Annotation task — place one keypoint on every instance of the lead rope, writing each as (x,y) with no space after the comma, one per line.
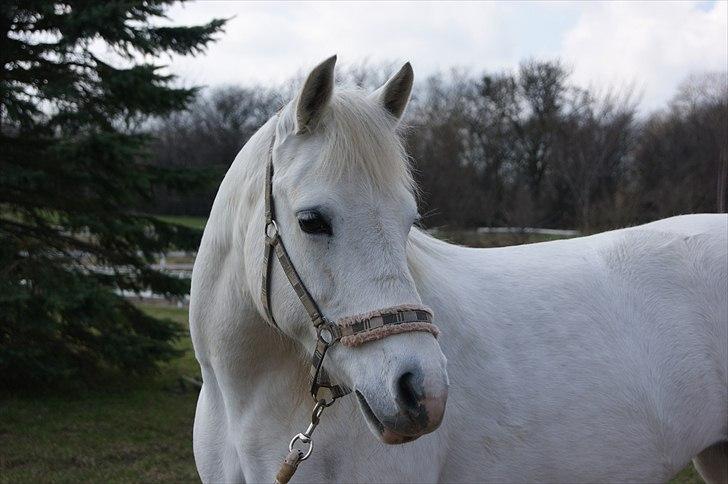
(350,331)
(296,456)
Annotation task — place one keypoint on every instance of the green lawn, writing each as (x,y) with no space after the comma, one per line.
(137,430)
(687,476)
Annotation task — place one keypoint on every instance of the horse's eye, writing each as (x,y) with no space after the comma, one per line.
(313,222)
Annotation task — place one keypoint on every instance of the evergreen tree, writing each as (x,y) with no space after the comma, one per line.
(78,81)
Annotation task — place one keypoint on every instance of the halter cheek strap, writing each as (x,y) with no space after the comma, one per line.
(274,244)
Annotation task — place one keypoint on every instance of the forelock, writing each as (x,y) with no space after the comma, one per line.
(360,139)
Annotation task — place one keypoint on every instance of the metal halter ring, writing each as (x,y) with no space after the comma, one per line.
(326,335)
(305,437)
(305,440)
(325,396)
(272,224)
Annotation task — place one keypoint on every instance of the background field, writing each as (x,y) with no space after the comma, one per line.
(136,429)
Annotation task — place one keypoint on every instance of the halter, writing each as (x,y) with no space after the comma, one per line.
(350,331)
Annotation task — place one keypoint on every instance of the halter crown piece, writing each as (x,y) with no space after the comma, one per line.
(351,331)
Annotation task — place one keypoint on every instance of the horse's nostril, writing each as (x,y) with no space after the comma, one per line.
(409,391)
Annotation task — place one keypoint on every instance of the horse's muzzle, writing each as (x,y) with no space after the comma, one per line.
(419,406)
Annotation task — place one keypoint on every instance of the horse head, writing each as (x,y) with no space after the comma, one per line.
(344,207)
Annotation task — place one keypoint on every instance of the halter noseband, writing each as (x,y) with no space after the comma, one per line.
(351,331)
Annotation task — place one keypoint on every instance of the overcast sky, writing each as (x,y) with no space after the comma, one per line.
(651,45)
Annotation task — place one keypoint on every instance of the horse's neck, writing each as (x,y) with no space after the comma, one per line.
(456,282)
(240,192)
(440,272)
(224,318)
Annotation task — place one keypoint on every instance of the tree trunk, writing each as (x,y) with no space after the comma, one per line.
(722,181)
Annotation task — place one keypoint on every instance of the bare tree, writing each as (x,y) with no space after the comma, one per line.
(207,136)
(682,154)
(709,93)
(449,189)
(593,140)
(519,148)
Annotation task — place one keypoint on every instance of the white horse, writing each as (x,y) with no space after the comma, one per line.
(602,358)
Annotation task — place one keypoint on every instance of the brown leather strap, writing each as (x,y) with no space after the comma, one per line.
(274,245)
(321,386)
(269,222)
(290,271)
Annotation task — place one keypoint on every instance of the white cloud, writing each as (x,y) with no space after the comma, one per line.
(271,42)
(648,44)
(651,43)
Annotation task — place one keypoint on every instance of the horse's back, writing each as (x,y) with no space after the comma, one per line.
(682,262)
(714,224)
(679,257)
(687,250)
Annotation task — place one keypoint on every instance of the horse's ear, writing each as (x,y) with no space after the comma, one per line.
(395,93)
(315,95)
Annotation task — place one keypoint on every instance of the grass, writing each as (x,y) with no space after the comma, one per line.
(136,430)
(687,476)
